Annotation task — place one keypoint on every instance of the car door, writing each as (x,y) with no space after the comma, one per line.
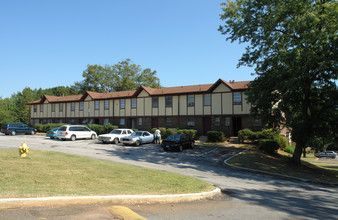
(25,128)
(19,128)
(86,132)
(146,137)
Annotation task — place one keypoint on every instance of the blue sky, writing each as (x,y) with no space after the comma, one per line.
(44,44)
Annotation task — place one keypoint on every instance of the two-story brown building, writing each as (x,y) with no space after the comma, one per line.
(219,106)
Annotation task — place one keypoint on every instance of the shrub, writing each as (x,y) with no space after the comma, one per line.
(102,129)
(188,132)
(289,149)
(268,146)
(216,136)
(46,127)
(268,134)
(246,134)
(282,142)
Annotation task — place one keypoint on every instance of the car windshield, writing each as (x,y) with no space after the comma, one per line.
(55,129)
(116,132)
(137,133)
(173,137)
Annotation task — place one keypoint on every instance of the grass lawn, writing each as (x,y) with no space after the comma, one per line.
(279,164)
(45,173)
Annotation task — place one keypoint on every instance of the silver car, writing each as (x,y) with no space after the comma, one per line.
(330,154)
(137,138)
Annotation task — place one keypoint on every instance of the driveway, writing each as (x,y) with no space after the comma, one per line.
(246,195)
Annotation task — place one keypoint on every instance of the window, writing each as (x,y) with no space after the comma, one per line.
(140,121)
(53,107)
(35,109)
(155,102)
(256,122)
(237,98)
(133,103)
(206,99)
(106,104)
(191,100)
(217,121)
(41,108)
(168,121)
(122,103)
(81,106)
(60,107)
(97,105)
(227,121)
(72,106)
(168,101)
(106,121)
(122,121)
(191,122)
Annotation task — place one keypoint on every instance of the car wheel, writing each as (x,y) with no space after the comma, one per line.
(137,143)
(180,148)
(13,133)
(73,138)
(51,137)
(116,141)
(93,136)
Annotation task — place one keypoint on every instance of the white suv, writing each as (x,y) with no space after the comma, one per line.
(115,135)
(74,132)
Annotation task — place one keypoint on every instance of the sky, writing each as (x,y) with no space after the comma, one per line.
(49,43)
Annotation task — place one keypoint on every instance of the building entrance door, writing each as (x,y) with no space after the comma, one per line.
(236,126)
(206,125)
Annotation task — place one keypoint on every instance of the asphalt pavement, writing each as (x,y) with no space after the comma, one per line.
(245,195)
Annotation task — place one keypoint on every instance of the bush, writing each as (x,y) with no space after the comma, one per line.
(246,134)
(289,149)
(188,132)
(102,129)
(268,134)
(282,142)
(216,136)
(46,127)
(268,146)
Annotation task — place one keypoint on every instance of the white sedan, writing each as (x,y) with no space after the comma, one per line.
(115,135)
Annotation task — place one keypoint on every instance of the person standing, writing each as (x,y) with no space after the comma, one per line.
(157,136)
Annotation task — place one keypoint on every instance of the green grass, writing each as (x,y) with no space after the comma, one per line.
(280,164)
(44,173)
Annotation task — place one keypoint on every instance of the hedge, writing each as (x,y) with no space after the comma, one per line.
(99,129)
(165,132)
(268,146)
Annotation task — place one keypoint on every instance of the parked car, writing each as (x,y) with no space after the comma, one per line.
(52,133)
(330,154)
(115,135)
(137,138)
(73,132)
(177,142)
(17,128)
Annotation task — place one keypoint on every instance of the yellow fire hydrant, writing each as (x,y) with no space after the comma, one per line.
(23,150)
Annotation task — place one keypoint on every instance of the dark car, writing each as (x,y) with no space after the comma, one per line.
(17,128)
(177,142)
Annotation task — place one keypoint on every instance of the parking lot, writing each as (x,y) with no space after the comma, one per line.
(151,153)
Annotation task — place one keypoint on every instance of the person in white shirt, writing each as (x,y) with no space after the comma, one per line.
(157,135)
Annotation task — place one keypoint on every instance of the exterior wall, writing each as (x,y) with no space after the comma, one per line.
(222,112)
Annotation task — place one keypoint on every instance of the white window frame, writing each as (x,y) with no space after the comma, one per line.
(207,99)
(133,103)
(191,100)
(97,105)
(106,104)
(237,98)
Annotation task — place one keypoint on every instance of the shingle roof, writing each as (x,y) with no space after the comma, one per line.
(241,85)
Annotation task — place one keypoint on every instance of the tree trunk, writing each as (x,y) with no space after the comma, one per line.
(297,154)
(304,152)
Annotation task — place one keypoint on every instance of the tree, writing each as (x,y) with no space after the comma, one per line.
(292,45)
(119,77)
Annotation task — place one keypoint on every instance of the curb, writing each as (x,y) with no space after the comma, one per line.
(121,199)
(225,162)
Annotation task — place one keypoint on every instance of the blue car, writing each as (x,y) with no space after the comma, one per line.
(52,133)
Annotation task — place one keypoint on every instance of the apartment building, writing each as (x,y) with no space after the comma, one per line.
(219,106)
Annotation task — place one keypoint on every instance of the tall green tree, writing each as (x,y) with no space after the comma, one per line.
(124,75)
(293,46)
